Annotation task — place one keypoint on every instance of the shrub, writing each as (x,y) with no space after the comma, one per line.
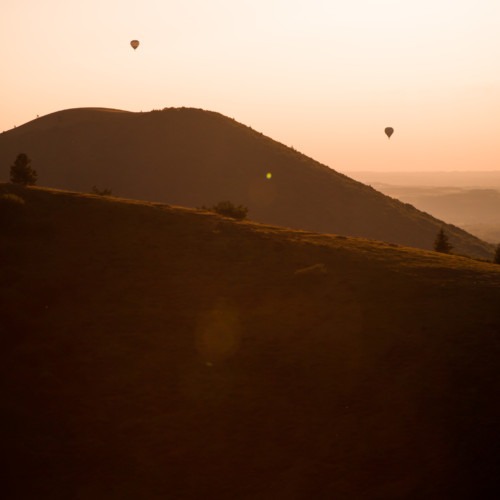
(101,192)
(21,172)
(228,209)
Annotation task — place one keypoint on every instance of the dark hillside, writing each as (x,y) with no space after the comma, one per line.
(192,157)
(152,351)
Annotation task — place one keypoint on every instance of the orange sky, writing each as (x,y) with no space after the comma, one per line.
(323,76)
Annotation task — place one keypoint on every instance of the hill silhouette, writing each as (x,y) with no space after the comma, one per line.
(194,158)
(152,351)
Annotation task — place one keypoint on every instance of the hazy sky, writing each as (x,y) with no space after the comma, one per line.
(323,76)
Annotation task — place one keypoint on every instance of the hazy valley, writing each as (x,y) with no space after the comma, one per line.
(470,200)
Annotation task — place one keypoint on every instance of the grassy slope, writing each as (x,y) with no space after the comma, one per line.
(192,157)
(160,352)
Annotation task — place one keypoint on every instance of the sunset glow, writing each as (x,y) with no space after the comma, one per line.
(324,76)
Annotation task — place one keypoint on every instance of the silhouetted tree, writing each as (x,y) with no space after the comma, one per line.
(496,257)
(442,243)
(21,172)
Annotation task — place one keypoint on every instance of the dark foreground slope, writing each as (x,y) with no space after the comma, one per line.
(156,352)
(192,157)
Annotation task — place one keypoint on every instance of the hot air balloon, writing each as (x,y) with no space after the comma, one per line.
(134,44)
(389,131)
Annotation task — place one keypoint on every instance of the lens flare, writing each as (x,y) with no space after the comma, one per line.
(218,333)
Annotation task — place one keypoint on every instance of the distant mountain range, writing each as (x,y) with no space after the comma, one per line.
(192,157)
(480,179)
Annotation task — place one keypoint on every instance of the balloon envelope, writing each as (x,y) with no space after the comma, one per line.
(389,131)
(134,44)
